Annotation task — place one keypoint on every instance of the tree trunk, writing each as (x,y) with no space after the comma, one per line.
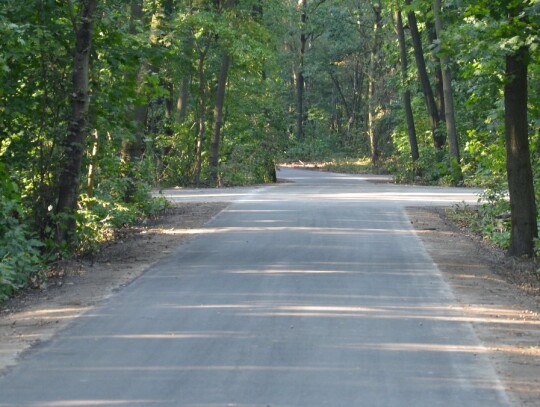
(74,143)
(433,36)
(202,115)
(300,82)
(438,139)
(91,178)
(372,105)
(411,129)
(133,148)
(218,118)
(182,101)
(218,111)
(183,94)
(451,130)
(518,160)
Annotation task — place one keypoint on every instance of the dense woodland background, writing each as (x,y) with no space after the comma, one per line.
(103,100)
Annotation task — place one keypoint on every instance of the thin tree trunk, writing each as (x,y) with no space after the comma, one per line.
(182,101)
(218,111)
(411,129)
(518,159)
(373,138)
(433,36)
(438,139)
(133,148)
(202,115)
(300,82)
(183,94)
(451,130)
(218,118)
(73,146)
(91,167)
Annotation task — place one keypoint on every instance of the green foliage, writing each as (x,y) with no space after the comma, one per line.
(247,165)
(100,217)
(20,257)
(490,220)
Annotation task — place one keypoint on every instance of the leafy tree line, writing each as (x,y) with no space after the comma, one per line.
(436,91)
(101,100)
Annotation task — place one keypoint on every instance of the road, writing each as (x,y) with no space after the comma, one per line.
(304,294)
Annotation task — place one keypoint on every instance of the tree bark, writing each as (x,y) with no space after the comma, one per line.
(218,111)
(74,143)
(518,159)
(182,101)
(411,129)
(218,118)
(438,139)
(449,113)
(202,114)
(300,81)
(133,147)
(372,105)
(91,178)
(433,37)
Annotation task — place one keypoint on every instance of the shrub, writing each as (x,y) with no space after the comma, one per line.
(20,257)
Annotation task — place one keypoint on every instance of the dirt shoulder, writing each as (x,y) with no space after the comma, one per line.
(75,286)
(500,297)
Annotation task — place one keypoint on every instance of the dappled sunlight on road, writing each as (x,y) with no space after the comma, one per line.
(97,402)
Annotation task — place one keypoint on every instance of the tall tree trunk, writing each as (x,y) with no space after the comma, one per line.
(74,143)
(218,118)
(218,111)
(91,178)
(299,79)
(183,94)
(182,101)
(202,114)
(372,102)
(433,37)
(133,148)
(438,139)
(449,113)
(411,129)
(518,159)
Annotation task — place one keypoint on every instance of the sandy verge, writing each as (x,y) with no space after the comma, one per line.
(75,286)
(499,297)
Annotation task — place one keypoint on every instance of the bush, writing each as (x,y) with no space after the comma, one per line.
(247,165)
(20,257)
(99,217)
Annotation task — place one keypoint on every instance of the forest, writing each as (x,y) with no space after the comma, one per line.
(103,101)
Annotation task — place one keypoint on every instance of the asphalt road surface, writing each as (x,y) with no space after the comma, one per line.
(305,294)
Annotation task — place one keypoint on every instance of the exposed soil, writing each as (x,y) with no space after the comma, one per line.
(500,297)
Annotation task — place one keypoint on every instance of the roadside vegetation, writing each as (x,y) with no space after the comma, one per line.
(102,101)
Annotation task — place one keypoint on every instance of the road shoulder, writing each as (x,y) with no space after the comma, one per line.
(503,306)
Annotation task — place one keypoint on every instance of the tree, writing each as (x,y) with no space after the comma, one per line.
(299,72)
(68,190)
(449,112)
(409,117)
(218,111)
(438,139)
(372,83)
(518,161)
